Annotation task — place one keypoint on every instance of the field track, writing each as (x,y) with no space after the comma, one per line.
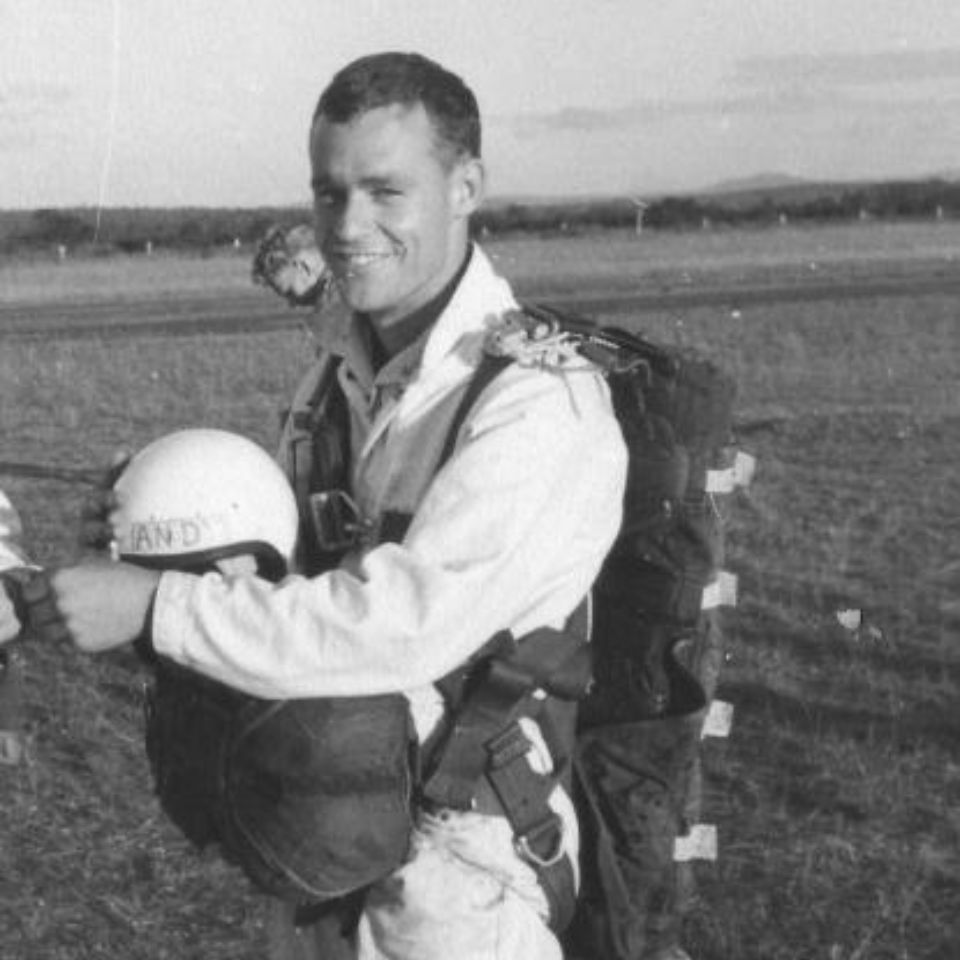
(255,312)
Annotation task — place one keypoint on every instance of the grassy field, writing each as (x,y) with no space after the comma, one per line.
(837,796)
(614,259)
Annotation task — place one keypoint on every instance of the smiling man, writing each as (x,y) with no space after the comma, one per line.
(392,198)
(457,530)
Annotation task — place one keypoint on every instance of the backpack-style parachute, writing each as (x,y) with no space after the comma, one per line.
(656,643)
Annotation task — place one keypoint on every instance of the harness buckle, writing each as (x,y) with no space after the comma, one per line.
(525,843)
(337,521)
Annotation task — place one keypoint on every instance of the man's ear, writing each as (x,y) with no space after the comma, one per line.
(468,186)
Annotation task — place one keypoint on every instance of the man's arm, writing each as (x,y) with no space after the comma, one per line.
(509,535)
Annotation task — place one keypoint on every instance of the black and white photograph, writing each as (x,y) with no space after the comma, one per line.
(480,480)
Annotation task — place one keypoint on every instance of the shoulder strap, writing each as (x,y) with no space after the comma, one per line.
(302,424)
(393,523)
(487,371)
(317,440)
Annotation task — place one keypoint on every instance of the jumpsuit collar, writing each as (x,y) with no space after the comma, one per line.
(453,327)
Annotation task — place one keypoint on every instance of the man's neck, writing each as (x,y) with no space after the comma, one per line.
(389,341)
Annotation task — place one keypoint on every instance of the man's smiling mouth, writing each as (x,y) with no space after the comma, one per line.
(347,260)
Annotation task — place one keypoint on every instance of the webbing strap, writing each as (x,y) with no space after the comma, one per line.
(486,739)
(486,372)
(499,696)
(317,436)
(302,426)
(537,829)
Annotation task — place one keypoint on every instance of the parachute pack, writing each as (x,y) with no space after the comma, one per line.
(656,639)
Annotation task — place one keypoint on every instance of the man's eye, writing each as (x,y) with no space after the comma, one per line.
(386,193)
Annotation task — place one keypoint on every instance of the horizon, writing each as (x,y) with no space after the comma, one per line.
(758,183)
(108,106)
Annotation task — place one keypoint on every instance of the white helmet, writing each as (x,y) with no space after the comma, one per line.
(197,496)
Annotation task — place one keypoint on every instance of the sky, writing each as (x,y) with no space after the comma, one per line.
(207,102)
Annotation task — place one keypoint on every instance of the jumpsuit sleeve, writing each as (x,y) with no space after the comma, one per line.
(11,551)
(509,534)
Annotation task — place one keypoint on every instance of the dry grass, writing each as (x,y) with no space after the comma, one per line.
(837,794)
(45,279)
(607,259)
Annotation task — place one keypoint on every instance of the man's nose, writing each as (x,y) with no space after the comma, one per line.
(355,216)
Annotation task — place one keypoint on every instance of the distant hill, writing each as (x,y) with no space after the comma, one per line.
(760,181)
(785,193)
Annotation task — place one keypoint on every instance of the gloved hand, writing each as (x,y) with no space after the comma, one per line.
(11,707)
(287,260)
(27,606)
(26,609)
(96,532)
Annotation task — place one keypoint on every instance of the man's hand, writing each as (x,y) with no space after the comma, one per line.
(33,611)
(102,604)
(96,533)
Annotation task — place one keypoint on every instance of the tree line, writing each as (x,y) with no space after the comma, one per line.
(135,230)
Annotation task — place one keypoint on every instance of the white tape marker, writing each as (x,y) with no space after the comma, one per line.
(738,474)
(699,844)
(719,719)
(722,592)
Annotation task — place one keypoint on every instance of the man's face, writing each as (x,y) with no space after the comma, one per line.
(390,214)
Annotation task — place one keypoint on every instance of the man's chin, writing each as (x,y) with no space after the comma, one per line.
(360,301)
(362,295)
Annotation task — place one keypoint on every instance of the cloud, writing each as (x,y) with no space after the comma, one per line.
(647,113)
(778,86)
(25,101)
(850,69)
(585,119)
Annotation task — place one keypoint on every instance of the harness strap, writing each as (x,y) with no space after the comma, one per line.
(302,426)
(498,691)
(487,370)
(318,431)
(487,740)
(537,829)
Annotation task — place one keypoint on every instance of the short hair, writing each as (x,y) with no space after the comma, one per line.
(386,79)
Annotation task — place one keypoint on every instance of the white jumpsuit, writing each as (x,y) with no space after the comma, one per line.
(11,554)
(509,534)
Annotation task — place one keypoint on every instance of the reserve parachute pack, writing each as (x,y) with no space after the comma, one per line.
(656,638)
(310,797)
